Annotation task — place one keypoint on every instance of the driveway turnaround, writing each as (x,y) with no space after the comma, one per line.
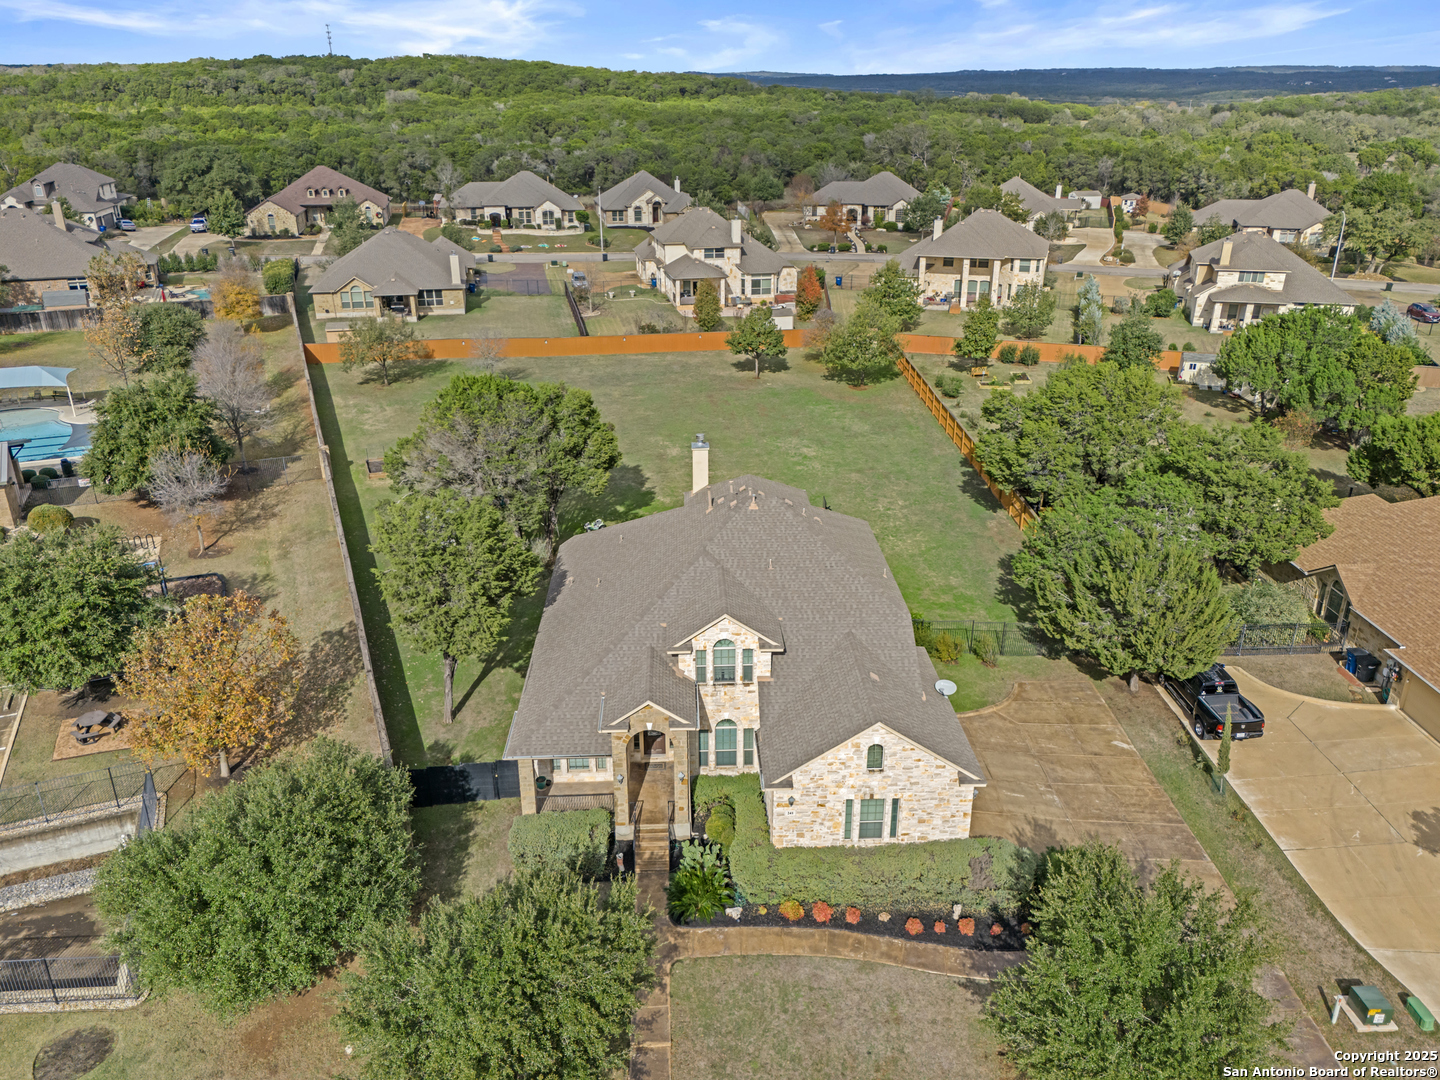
(1351,793)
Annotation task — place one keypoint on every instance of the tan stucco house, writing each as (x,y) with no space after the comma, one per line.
(297,206)
(700,245)
(1238,280)
(47,258)
(883,197)
(1288,216)
(395,273)
(987,254)
(1377,577)
(92,195)
(641,200)
(524,201)
(745,632)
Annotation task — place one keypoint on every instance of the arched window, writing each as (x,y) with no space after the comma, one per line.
(725,742)
(724,660)
(875,757)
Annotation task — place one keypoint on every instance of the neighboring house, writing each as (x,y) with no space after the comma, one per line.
(1129,201)
(525,201)
(745,632)
(92,195)
(1037,204)
(1377,576)
(1288,216)
(883,197)
(987,254)
(48,257)
(398,273)
(700,245)
(1198,369)
(297,206)
(642,200)
(1235,281)
(1090,197)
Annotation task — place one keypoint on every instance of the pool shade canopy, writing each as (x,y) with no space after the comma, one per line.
(15,378)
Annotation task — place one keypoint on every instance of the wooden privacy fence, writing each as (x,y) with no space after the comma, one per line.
(1014,504)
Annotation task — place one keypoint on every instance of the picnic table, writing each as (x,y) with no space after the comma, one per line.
(93,724)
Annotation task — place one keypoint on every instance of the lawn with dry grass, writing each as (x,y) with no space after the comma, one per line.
(821,1019)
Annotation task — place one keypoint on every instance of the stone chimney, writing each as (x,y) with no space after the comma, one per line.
(735,230)
(676,185)
(699,463)
(1310,191)
(937,228)
(58,214)
(1059,191)
(1225,249)
(455,276)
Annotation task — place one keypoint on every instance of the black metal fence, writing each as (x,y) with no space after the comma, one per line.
(574,802)
(1284,639)
(575,311)
(479,781)
(941,637)
(518,284)
(59,980)
(242,476)
(66,796)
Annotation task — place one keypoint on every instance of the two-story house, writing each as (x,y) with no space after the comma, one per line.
(987,254)
(1288,216)
(92,195)
(524,201)
(47,258)
(396,273)
(642,200)
(745,632)
(297,206)
(700,245)
(1242,278)
(1037,204)
(883,197)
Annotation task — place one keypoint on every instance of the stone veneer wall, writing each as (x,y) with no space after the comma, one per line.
(736,701)
(934,804)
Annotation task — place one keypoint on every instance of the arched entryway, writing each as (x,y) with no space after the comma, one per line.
(495,221)
(650,786)
(657,212)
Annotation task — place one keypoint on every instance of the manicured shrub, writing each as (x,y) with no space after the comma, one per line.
(913,926)
(49,472)
(39,483)
(278,276)
(1007,353)
(939,926)
(996,929)
(721,827)
(985,648)
(1127,257)
(1173,347)
(1154,226)
(1029,356)
(980,872)
(27,475)
(966,927)
(577,840)
(852,915)
(1187,347)
(821,911)
(1160,303)
(792,910)
(948,648)
(45,518)
(697,892)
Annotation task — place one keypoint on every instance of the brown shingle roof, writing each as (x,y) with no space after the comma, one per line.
(882,189)
(1286,210)
(1387,556)
(985,234)
(34,249)
(293,197)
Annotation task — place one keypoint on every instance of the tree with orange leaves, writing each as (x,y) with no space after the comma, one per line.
(220,674)
(809,293)
(834,220)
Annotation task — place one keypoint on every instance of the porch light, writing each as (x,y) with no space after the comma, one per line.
(619,779)
(792,800)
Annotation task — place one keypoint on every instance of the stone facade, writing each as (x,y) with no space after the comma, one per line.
(935,800)
(969,278)
(271,219)
(738,701)
(332,305)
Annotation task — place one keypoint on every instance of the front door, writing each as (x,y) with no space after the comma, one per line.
(652,743)
(655,213)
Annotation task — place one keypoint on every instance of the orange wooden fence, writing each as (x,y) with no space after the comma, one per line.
(1014,504)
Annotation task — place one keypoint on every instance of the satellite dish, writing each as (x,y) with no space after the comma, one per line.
(946,687)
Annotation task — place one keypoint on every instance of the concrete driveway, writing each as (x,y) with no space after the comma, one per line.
(1351,793)
(1098,241)
(148,237)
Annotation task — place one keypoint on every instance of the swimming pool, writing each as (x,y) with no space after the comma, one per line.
(48,435)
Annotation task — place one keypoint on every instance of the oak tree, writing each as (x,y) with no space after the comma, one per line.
(133,423)
(758,337)
(385,344)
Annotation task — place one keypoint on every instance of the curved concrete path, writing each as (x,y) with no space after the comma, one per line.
(1351,793)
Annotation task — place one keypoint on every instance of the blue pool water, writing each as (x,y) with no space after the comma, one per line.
(50,437)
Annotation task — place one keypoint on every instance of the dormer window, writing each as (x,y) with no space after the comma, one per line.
(310,192)
(724,661)
(1256,276)
(39,191)
(875,757)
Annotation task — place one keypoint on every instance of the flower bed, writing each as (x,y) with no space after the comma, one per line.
(981,935)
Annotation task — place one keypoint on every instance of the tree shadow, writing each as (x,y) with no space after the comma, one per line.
(627,495)
(414,371)
(331,664)
(1011,593)
(444,838)
(768,364)
(1427,830)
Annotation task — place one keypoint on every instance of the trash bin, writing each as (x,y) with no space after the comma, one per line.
(839,281)
(604,256)
(1366,666)
(470,286)
(490,257)
(1350,655)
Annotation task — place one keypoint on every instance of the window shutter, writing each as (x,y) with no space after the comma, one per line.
(749,746)
(894,817)
(748,662)
(849,813)
(704,748)
(699,665)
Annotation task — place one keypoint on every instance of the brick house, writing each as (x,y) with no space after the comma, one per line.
(745,632)
(1288,216)
(297,206)
(92,195)
(48,258)
(395,272)
(987,254)
(1239,280)
(642,200)
(699,246)
(524,201)
(883,197)
(1377,577)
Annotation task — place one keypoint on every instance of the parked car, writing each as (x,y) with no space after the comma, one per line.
(1207,696)
(1427,313)
(126,225)
(578,279)
(199,224)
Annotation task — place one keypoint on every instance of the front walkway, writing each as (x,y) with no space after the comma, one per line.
(1351,793)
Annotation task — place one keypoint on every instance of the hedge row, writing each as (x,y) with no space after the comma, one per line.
(982,873)
(570,839)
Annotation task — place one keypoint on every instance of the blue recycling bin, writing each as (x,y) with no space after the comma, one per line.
(839,281)
(470,286)
(1350,655)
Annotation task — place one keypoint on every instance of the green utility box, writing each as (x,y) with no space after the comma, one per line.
(1371,1005)
(1419,1013)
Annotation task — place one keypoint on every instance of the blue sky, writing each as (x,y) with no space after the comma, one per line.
(834,36)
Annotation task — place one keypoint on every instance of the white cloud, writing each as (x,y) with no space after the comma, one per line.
(728,45)
(833,28)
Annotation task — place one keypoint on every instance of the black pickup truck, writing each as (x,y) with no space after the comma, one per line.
(1206,697)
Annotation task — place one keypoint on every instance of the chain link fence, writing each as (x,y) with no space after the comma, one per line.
(948,640)
(245,476)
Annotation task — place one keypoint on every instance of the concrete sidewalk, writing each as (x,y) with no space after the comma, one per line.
(1351,794)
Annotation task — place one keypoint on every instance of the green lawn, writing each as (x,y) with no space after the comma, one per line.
(1314,950)
(942,532)
(624,314)
(59,348)
(821,1019)
(462,847)
(164,247)
(616,240)
(501,314)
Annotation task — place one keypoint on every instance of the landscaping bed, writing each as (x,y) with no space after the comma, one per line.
(982,936)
